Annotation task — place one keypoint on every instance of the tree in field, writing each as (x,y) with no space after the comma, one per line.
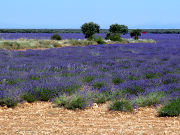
(117,28)
(115,32)
(124,29)
(89,29)
(136,33)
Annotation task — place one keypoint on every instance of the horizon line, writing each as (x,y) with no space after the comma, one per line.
(80,28)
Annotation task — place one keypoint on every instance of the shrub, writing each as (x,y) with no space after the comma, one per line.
(56,37)
(134,89)
(98,97)
(170,109)
(117,94)
(71,89)
(113,37)
(99,40)
(9,102)
(98,85)
(117,80)
(89,29)
(34,77)
(29,97)
(67,74)
(150,99)
(121,105)
(12,82)
(151,75)
(136,33)
(72,102)
(108,94)
(87,79)
(167,81)
(131,77)
(61,100)
(44,94)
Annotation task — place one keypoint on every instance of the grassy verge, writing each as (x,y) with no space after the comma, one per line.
(21,44)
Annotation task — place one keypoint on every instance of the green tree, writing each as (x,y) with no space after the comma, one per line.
(89,29)
(117,28)
(115,32)
(136,33)
(124,29)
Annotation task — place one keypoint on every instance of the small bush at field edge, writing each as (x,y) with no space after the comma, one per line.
(121,105)
(98,98)
(170,109)
(150,99)
(29,97)
(9,102)
(44,94)
(71,102)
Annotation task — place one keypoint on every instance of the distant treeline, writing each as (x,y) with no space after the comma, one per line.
(40,31)
(167,31)
(161,31)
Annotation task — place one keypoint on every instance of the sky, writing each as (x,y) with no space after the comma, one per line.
(71,14)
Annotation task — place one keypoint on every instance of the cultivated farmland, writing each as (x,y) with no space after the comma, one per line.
(128,76)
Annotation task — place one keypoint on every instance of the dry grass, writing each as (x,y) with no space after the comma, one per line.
(23,44)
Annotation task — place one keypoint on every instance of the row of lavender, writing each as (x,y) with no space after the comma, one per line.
(133,69)
(9,36)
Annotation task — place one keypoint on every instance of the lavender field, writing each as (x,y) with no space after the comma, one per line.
(7,36)
(97,73)
(158,37)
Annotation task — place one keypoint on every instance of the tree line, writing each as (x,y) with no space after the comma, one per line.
(155,31)
(114,32)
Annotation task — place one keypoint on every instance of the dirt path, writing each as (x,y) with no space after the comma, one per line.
(41,118)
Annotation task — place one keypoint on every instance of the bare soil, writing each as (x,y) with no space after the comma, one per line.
(42,118)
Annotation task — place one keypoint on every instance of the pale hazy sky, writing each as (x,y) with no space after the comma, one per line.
(73,13)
